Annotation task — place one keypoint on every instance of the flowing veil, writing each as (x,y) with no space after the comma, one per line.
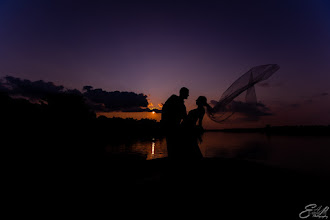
(222,110)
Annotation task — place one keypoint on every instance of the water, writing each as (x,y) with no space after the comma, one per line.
(149,148)
(303,153)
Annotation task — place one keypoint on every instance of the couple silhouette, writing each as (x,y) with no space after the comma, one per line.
(183,131)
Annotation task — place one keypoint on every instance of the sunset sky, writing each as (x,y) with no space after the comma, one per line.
(156,47)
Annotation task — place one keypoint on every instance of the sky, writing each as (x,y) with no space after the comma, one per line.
(156,47)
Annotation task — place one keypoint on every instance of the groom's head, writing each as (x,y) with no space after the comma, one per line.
(184,93)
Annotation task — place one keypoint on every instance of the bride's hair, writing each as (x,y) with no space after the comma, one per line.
(202,100)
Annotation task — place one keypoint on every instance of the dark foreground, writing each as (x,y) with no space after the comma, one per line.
(231,189)
(133,188)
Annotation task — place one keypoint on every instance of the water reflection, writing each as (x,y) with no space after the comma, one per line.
(253,146)
(150,149)
(153,148)
(296,152)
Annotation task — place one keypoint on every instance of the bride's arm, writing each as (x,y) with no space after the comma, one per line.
(200,120)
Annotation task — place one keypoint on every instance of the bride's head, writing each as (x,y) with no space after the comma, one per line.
(201,101)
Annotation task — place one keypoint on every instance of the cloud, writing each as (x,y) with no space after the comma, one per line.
(32,90)
(247,111)
(97,99)
(116,101)
(250,112)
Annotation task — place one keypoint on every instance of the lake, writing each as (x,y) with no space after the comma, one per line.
(303,153)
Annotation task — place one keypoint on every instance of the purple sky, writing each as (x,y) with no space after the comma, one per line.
(156,47)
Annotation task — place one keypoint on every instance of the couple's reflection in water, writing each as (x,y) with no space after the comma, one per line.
(183,131)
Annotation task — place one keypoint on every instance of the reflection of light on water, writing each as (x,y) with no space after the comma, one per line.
(158,149)
(153,149)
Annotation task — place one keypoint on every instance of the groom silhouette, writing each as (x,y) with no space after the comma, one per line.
(173,112)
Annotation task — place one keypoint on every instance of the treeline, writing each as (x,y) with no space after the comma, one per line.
(128,128)
(63,124)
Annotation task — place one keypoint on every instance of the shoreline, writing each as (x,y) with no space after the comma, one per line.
(309,130)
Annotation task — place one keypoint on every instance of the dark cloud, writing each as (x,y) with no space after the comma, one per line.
(139,109)
(116,101)
(143,109)
(324,94)
(97,99)
(26,88)
(247,111)
(250,111)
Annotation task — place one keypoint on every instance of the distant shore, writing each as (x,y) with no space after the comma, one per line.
(305,130)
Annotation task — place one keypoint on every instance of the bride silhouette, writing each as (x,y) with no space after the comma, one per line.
(192,131)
